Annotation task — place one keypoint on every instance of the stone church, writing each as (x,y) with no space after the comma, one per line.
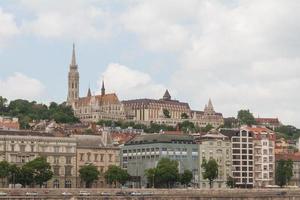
(92,108)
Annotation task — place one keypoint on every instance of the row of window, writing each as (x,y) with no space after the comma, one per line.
(95,157)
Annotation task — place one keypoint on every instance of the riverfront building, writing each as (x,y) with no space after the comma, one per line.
(144,152)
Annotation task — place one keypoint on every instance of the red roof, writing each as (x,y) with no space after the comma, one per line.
(287,156)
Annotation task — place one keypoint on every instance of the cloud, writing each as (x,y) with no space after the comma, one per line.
(243,54)
(129,83)
(79,20)
(8,27)
(21,86)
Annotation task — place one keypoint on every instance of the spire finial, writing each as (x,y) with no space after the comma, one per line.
(102,88)
(73,61)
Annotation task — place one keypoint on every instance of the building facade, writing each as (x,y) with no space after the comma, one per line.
(145,151)
(217,146)
(9,123)
(295,157)
(91,108)
(253,157)
(20,147)
(170,112)
(98,151)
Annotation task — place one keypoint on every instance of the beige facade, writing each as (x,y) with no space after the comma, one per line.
(152,110)
(214,145)
(98,151)
(19,147)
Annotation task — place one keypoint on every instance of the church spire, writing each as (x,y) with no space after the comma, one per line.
(166,96)
(102,89)
(89,94)
(73,61)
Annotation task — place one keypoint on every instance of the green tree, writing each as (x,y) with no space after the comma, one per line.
(284,172)
(89,174)
(210,170)
(115,175)
(14,173)
(26,176)
(150,174)
(186,177)
(41,170)
(4,171)
(166,173)
(230,182)
(184,116)
(207,128)
(246,117)
(166,113)
(3,105)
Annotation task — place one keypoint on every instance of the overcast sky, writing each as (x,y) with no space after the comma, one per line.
(241,54)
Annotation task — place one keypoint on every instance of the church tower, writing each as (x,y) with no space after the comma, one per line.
(73,80)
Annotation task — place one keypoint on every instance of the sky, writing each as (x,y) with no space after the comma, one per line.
(241,54)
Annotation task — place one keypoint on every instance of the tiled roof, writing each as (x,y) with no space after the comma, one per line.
(287,156)
(267,120)
(160,101)
(88,141)
(25,133)
(102,99)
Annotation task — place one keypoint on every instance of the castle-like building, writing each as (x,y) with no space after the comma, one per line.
(92,108)
(166,110)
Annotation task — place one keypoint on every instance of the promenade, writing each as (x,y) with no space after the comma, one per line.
(159,194)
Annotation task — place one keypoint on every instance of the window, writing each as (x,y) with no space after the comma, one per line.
(81,156)
(101,157)
(56,149)
(96,157)
(68,184)
(56,159)
(55,183)
(56,170)
(22,148)
(68,160)
(68,171)
(69,149)
(12,147)
(32,148)
(110,157)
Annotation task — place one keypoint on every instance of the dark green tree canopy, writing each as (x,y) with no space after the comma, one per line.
(186,177)
(210,170)
(167,172)
(27,111)
(115,175)
(284,172)
(245,117)
(89,174)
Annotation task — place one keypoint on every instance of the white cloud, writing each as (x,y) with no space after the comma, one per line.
(243,54)
(76,20)
(8,27)
(21,86)
(129,83)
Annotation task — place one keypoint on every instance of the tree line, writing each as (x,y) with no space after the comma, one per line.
(28,111)
(185,126)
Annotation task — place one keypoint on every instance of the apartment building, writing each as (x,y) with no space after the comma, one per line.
(253,158)
(217,146)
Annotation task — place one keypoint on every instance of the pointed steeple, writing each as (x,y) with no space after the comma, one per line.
(210,106)
(167,96)
(89,94)
(73,60)
(102,89)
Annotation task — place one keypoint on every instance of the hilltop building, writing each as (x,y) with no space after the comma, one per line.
(171,112)
(91,108)
(9,123)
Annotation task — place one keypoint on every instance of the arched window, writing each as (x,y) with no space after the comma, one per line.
(68,184)
(55,183)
